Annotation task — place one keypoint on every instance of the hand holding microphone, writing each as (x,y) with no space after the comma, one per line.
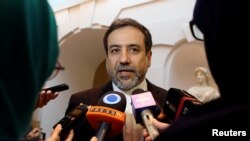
(50,93)
(70,120)
(55,134)
(108,116)
(157,124)
(144,109)
(178,103)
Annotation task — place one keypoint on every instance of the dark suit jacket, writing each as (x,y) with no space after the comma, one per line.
(83,131)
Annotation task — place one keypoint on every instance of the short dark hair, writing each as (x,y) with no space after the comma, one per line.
(119,23)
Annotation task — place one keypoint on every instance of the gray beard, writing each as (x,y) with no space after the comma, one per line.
(128,86)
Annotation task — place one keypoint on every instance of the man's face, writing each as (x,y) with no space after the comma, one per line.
(127,61)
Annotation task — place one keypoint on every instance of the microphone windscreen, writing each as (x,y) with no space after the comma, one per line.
(114,100)
(142,100)
(110,109)
(178,103)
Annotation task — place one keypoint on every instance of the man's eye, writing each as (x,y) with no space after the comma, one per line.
(113,51)
(134,50)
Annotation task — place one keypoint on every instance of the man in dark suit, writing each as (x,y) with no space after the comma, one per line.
(128,49)
(221,23)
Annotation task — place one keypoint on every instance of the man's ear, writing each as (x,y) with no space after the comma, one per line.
(149,56)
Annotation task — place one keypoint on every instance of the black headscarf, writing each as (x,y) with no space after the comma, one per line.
(223,23)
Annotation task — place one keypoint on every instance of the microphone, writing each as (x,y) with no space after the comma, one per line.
(57,88)
(70,120)
(178,103)
(144,109)
(108,116)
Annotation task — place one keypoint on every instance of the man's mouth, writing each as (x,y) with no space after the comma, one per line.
(125,71)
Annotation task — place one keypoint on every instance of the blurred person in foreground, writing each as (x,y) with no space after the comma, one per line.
(222,23)
(28,54)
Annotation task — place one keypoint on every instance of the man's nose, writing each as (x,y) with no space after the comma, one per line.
(125,57)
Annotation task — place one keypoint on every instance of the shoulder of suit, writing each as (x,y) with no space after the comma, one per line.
(153,88)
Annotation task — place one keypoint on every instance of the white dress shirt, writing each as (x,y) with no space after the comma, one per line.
(131,130)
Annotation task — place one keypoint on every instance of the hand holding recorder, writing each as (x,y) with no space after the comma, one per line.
(55,134)
(50,93)
(178,103)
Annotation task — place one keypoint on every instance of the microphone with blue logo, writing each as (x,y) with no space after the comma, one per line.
(108,116)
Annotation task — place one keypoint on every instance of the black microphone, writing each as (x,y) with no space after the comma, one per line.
(57,88)
(108,116)
(144,109)
(179,103)
(71,119)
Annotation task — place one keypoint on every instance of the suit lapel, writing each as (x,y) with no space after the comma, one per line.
(107,87)
(158,95)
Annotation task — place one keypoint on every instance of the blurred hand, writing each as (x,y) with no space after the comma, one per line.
(94,139)
(159,125)
(33,134)
(44,97)
(55,134)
